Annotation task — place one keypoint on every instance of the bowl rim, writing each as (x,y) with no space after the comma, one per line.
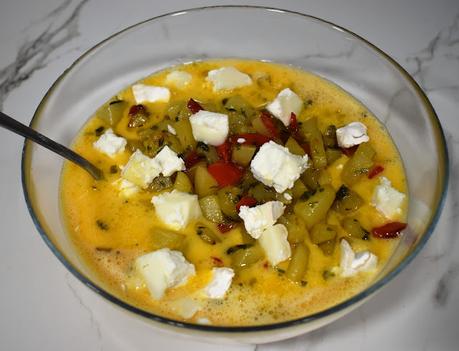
(354,300)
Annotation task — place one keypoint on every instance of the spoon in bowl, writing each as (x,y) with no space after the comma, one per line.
(17,127)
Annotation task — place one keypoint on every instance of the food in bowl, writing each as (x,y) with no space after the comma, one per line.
(237,192)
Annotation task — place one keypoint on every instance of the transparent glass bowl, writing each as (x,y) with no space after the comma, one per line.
(241,32)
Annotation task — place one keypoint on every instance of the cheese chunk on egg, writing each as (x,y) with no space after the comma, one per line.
(387,200)
(141,169)
(284,104)
(353,134)
(257,219)
(210,127)
(220,282)
(274,242)
(149,93)
(110,144)
(227,78)
(352,263)
(179,79)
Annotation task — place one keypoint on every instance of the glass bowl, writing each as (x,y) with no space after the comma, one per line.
(241,32)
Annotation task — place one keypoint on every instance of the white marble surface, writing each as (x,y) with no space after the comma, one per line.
(43,307)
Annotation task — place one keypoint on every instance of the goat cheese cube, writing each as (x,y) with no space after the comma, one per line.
(220,282)
(387,200)
(257,219)
(274,242)
(176,209)
(110,144)
(179,79)
(352,263)
(127,189)
(354,133)
(149,93)
(210,127)
(169,162)
(284,104)
(274,165)
(141,169)
(163,269)
(227,78)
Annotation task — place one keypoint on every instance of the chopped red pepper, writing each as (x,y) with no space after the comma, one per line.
(389,230)
(194,106)
(225,173)
(226,226)
(250,139)
(224,151)
(293,126)
(217,261)
(246,201)
(265,265)
(349,151)
(306,148)
(268,122)
(191,159)
(374,171)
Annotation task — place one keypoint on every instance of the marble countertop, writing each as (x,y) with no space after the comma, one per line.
(43,307)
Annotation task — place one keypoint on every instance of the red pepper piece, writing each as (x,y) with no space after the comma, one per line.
(293,126)
(217,261)
(246,201)
(306,148)
(389,230)
(194,106)
(374,171)
(268,122)
(226,226)
(349,151)
(225,173)
(250,139)
(224,151)
(191,159)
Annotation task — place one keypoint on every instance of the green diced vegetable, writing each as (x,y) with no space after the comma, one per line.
(332,155)
(358,164)
(315,208)
(295,148)
(116,111)
(262,193)
(298,189)
(228,197)
(185,133)
(244,258)
(178,111)
(204,183)
(328,247)
(207,151)
(347,200)
(260,127)
(330,137)
(354,229)
(310,178)
(298,264)
(295,227)
(238,104)
(160,183)
(183,183)
(138,116)
(316,144)
(162,238)
(243,154)
(211,208)
(322,232)
(206,234)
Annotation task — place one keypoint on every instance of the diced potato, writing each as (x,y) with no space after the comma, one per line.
(243,154)
(322,232)
(178,111)
(182,183)
(295,148)
(185,133)
(347,200)
(192,171)
(315,208)
(316,144)
(295,226)
(204,183)
(238,104)
(298,264)
(228,197)
(165,238)
(354,229)
(206,234)
(245,257)
(359,164)
(211,208)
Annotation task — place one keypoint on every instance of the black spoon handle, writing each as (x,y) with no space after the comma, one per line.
(17,127)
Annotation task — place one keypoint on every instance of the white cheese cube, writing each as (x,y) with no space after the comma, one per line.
(186,307)
(210,127)
(176,209)
(284,104)
(163,269)
(127,189)
(354,133)
(179,79)
(220,282)
(110,144)
(274,242)
(227,78)
(387,200)
(257,219)
(274,165)
(351,263)
(169,162)
(149,93)
(141,169)
(171,130)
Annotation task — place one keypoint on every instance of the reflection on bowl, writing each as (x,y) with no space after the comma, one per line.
(261,33)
